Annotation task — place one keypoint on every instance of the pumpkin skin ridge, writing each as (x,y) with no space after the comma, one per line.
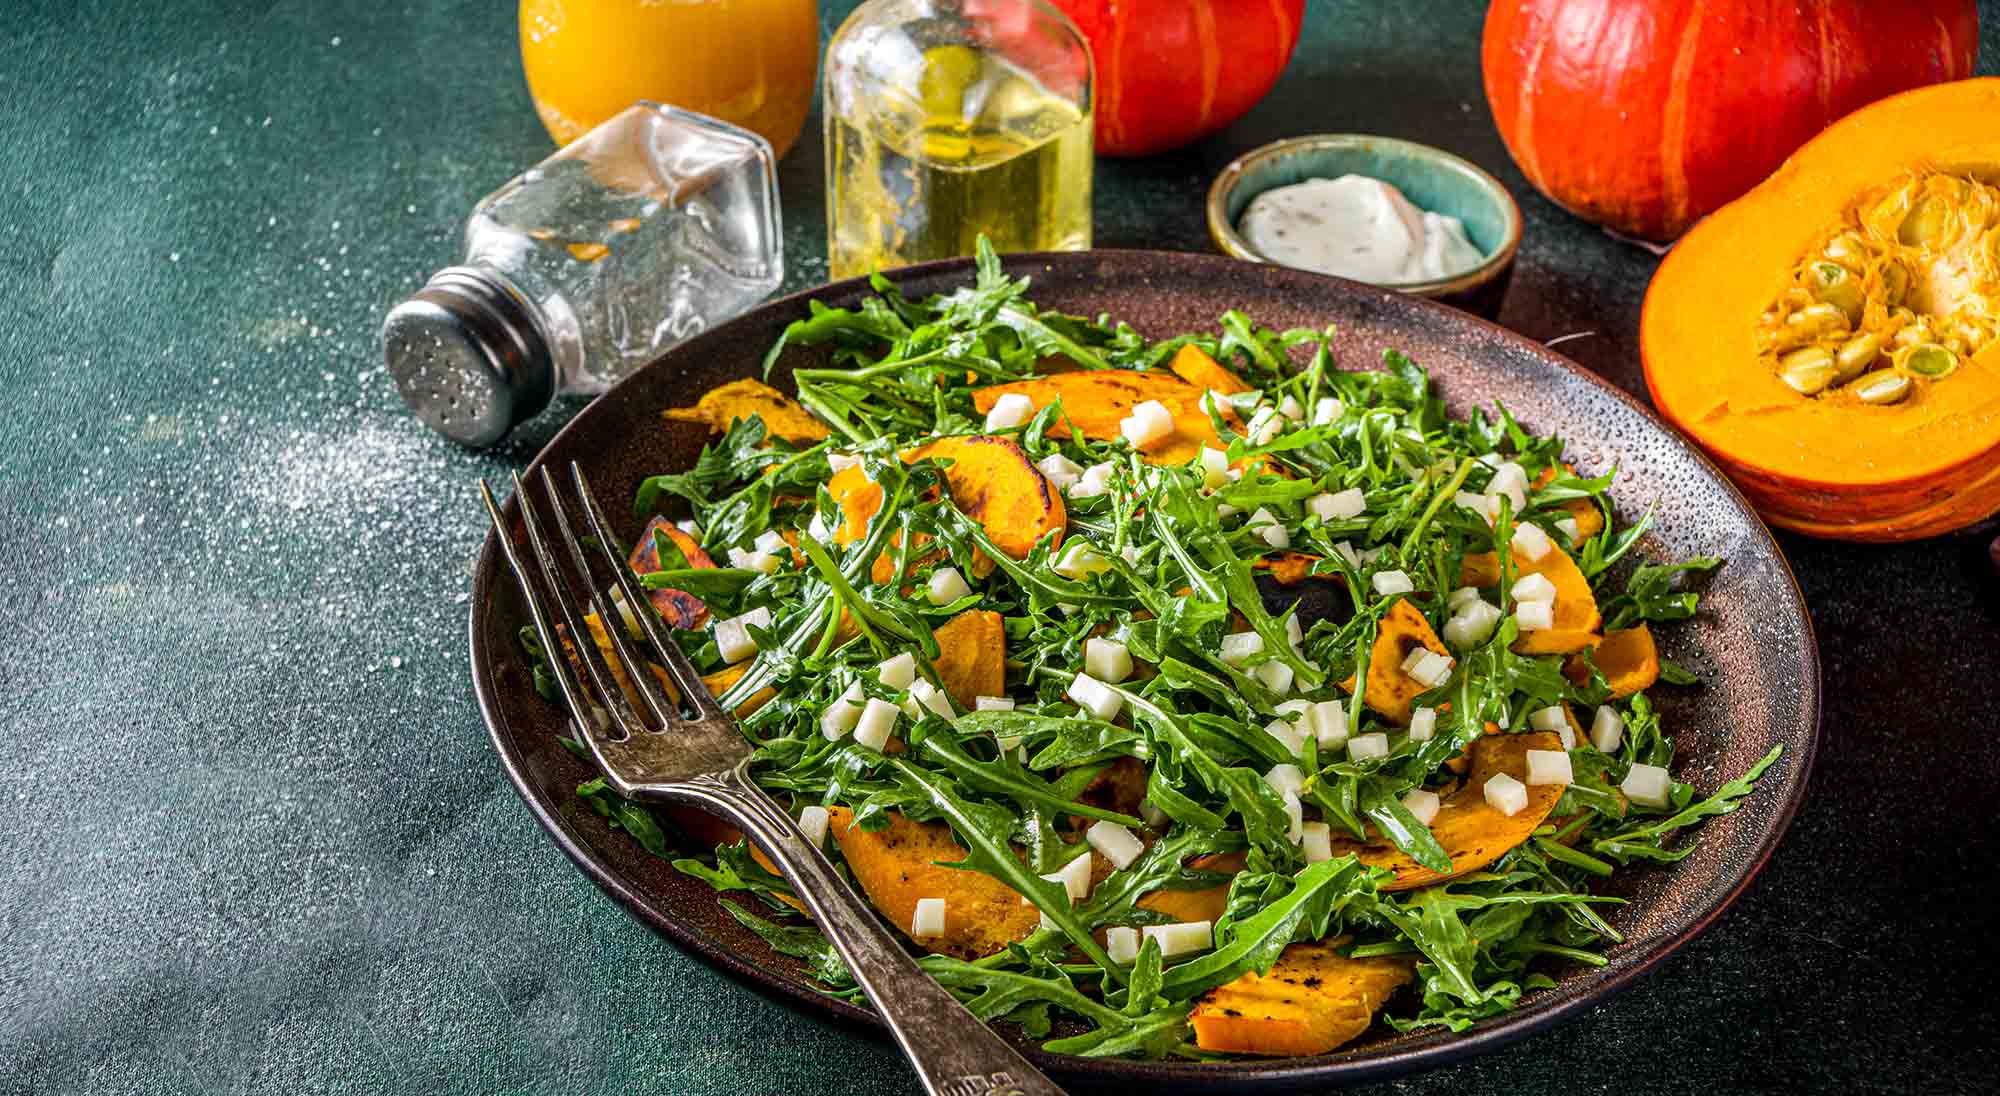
(1833,468)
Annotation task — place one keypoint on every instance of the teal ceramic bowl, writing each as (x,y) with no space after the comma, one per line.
(1431,178)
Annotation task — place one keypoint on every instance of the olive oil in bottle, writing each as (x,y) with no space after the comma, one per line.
(940,130)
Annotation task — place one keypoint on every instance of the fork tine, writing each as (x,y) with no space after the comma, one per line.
(580,707)
(664,713)
(692,687)
(586,651)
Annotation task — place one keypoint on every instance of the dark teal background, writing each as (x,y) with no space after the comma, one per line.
(252,836)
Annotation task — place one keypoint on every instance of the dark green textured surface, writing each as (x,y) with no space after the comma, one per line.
(254,837)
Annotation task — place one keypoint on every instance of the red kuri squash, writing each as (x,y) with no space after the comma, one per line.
(1170,72)
(1644,115)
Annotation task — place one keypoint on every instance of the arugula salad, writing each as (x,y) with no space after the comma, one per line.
(1189,698)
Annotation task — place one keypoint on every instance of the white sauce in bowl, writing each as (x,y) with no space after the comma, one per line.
(1356,227)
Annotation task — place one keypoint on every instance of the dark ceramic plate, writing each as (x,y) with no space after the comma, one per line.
(1752,643)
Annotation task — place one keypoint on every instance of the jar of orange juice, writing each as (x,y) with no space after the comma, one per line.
(749,62)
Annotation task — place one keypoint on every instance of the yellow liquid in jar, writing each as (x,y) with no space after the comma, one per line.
(986,150)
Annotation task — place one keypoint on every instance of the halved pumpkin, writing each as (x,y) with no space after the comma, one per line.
(991,479)
(1472,832)
(898,866)
(1628,659)
(1881,224)
(1194,365)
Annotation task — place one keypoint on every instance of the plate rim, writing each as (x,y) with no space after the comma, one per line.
(1336,1068)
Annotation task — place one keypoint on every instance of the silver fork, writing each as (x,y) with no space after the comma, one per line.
(702,759)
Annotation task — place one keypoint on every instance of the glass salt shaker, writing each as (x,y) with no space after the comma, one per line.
(648,229)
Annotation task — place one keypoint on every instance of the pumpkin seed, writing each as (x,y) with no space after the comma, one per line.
(1833,285)
(1926,223)
(1929,360)
(1808,371)
(1882,386)
(1856,355)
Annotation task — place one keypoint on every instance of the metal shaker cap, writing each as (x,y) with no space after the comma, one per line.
(468,356)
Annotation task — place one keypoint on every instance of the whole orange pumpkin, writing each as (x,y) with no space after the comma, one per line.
(1644,115)
(1170,72)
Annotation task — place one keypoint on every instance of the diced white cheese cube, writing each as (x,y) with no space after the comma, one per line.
(1535,616)
(1115,843)
(993,703)
(1317,842)
(1329,723)
(1551,718)
(1287,735)
(1648,785)
(1239,647)
(1368,747)
(1121,942)
(1531,542)
(878,720)
(812,823)
(1154,816)
(1345,550)
(732,637)
(1294,631)
(1130,554)
(1285,779)
(1094,696)
(1510,480)
(898,671)
(1214,467)
(1079,559)
(1549,767)
(1275,675)
(1478,504)
(772,541)
(1421,804)
(1095,480)
(1506,794)
(1295,820)
(1326,409)
(1106,660)
(1265,426)
(928,920)
(1461,597)
(1568,528)
(1147,424)
(761,562)
(1059,470)
(946,586)
(1010,411)
(1423,724)
(841,715)
(1074,877)
(1223,510)
(1350,503)
(1181,937)
(1391,582)
(1535,587)
(1265,524)
(1215,403)
(841,462)
(688,526)
(816,529)
(1293,709)
(1431,669)
(1291,408)
(1471,625)
(1607,729)
(924,697)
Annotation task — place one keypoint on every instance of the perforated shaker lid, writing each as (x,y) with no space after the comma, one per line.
(468,357)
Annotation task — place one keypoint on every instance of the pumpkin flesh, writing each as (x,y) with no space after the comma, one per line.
(1827,466)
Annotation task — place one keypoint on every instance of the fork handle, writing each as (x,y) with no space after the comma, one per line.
(954,1053)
